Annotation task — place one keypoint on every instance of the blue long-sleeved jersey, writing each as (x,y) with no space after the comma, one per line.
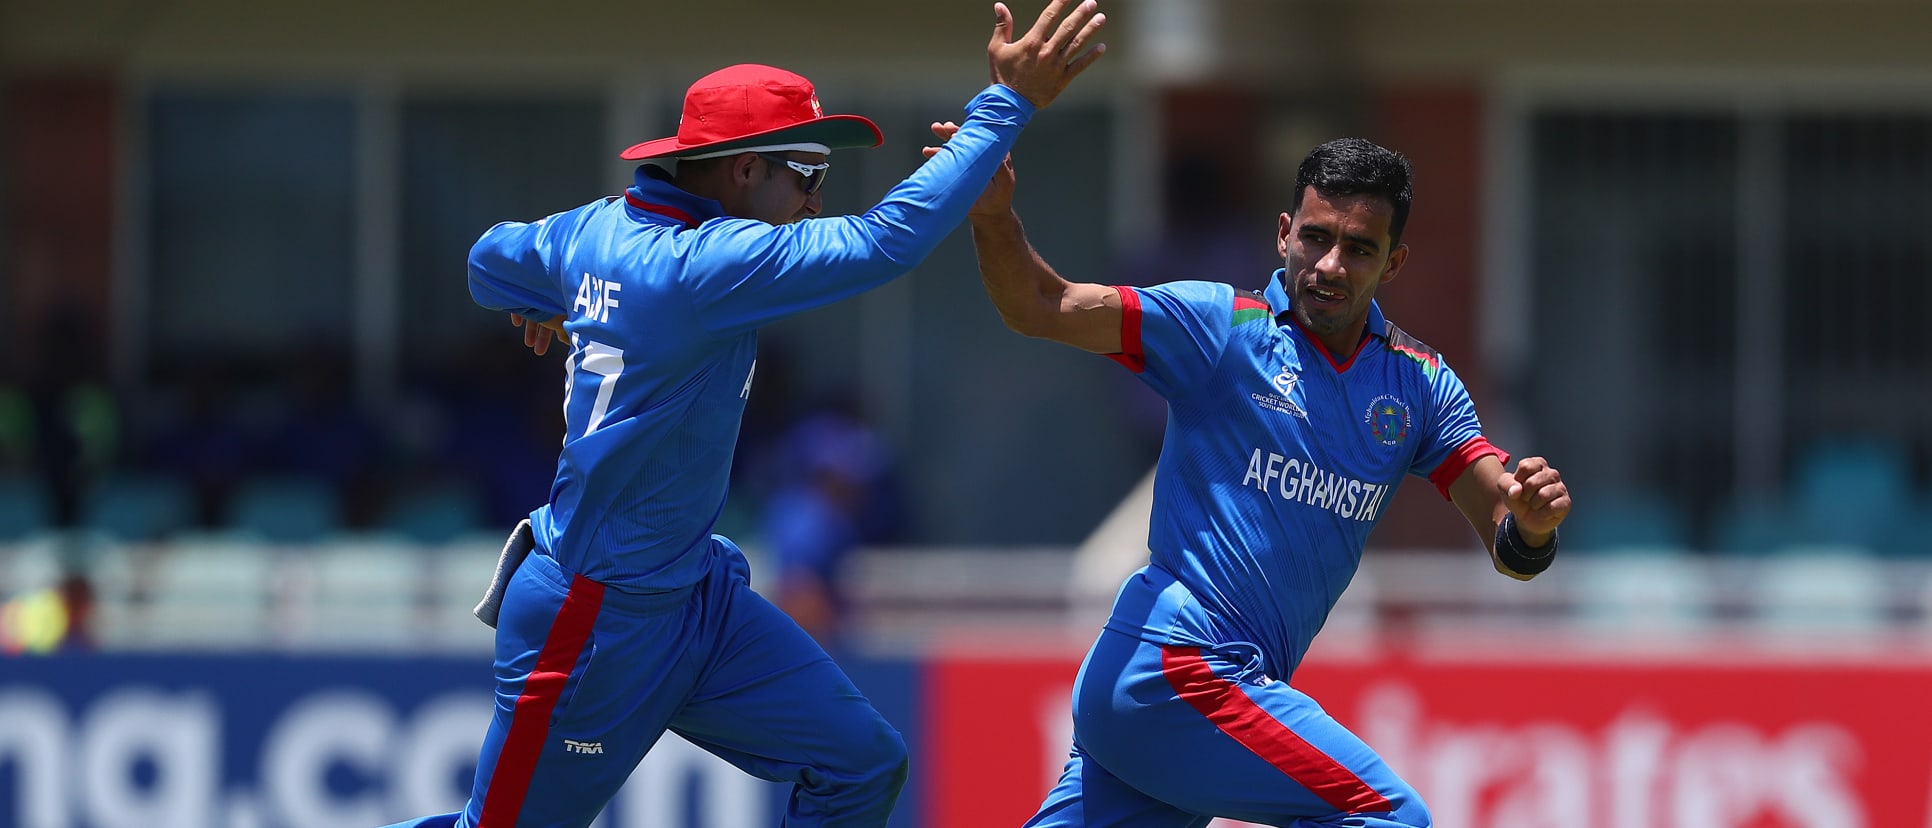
(663,296)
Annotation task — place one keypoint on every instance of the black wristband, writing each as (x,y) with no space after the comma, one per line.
(1517,554)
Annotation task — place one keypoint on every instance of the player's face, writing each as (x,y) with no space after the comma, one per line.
(779,197)
(1337,252)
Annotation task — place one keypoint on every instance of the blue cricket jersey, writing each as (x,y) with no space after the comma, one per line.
(663,296)
(1277,460)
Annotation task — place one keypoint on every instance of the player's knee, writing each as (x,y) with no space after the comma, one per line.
(890,756)
(871,766)
(882,758)
(1409,812)
(1405,811)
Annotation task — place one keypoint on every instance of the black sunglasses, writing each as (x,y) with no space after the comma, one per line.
(814,173)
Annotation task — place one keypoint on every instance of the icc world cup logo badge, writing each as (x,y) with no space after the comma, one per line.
(1388,420)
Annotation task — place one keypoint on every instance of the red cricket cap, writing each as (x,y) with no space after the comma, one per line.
(750,105)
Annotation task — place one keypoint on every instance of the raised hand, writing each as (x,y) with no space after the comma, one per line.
(1536,495)
(997,199)
(1040,64)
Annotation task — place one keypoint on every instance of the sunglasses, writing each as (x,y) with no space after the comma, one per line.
(814,173)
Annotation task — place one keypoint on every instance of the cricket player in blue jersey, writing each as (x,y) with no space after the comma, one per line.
(628,617)
(1293,414)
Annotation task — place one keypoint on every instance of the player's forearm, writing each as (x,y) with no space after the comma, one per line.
(1022,286)
(918,213)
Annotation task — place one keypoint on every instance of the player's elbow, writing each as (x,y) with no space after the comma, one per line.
(482,257)
(482,291)
(1028,314)
(501,275)
(1027,322)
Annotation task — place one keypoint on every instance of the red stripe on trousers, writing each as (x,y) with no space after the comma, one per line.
(530,721)
(1223,703)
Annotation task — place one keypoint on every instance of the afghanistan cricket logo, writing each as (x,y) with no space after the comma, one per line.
(1388,420)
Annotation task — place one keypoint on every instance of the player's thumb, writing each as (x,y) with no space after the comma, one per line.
(1504,485)
(1002,25)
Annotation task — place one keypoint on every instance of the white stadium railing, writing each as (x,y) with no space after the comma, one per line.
(373,594)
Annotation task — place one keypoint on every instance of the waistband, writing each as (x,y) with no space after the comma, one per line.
(1157,607)
(630,602)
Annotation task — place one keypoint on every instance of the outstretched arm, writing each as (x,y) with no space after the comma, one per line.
(1032,299)
(1533,499)
(806,264)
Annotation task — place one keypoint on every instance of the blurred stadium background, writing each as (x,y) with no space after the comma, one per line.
(257,448)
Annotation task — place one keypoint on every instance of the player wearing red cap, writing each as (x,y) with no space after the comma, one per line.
(621,614)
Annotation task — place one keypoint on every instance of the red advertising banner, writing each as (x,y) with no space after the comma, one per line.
(1537,740)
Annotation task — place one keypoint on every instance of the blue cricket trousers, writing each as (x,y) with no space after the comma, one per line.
(588,677)
(1170,736)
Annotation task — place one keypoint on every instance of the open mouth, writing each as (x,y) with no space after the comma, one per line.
(1324,297)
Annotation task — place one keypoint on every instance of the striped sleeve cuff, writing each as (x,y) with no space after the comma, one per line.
(1459,461)
(1130,354)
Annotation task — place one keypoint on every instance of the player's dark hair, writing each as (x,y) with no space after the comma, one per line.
(1357,166)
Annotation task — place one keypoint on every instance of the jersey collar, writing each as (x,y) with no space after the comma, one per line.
(655,195)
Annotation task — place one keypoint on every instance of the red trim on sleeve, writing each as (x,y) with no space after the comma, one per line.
(516,761)
(1461,459)
(1130,354)
(1242,303)
(1247,722)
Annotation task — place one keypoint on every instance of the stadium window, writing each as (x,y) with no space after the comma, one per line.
(467,163)
(1858,267)
(1715,289)
(250,227)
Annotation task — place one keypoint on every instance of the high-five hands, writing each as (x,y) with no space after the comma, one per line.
(1040,64)
(1536,495)
(997,199)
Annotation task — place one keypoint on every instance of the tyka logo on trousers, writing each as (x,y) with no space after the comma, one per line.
(588,748)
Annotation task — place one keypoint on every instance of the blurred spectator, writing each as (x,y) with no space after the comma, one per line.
(198,438)
(759,469)
(18,431)
(836,493)
(64,425)
(499,424)
(77,600)
(52,614)
(319,431)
